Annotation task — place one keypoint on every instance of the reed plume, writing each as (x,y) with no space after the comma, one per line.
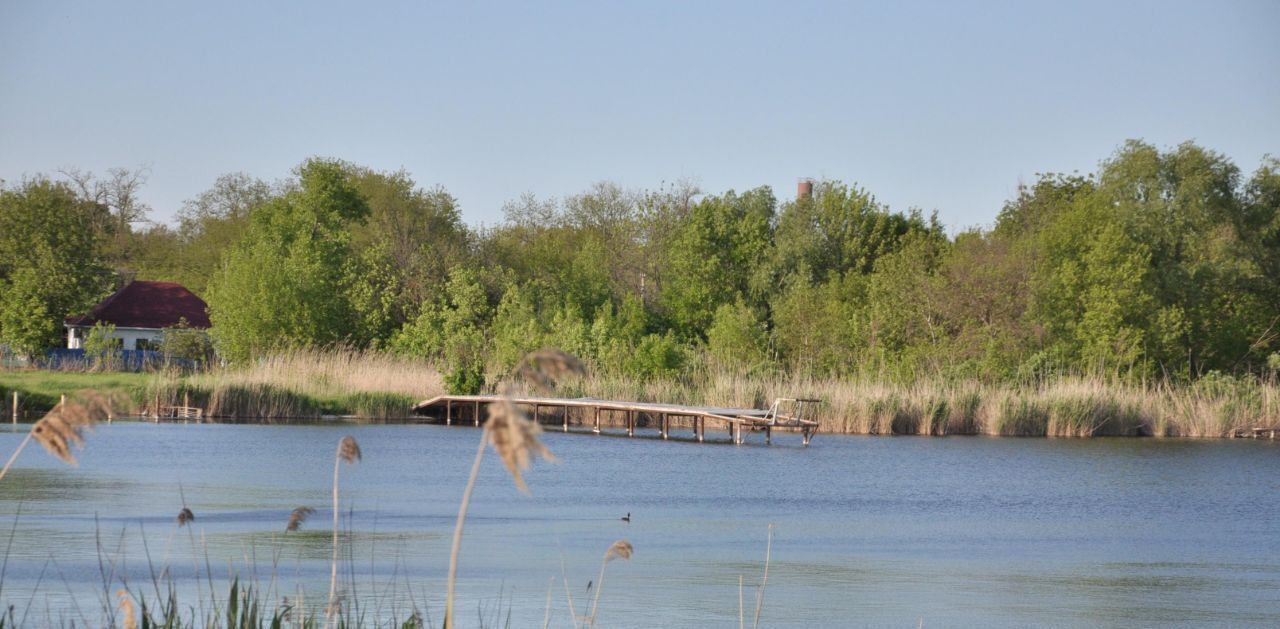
(348,451)
(298,517)
(546,367)
(64,426)
(126,610)
(620,549)
(515,440)
(185,516)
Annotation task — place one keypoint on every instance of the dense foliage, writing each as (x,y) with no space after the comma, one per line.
(1161,264)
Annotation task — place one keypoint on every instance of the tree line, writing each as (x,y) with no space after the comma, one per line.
(1162,264)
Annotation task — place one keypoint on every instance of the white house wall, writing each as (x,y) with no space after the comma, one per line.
(129,337)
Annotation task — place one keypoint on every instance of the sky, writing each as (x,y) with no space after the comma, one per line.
(942,106)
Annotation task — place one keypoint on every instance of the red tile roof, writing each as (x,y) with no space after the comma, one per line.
(148,305)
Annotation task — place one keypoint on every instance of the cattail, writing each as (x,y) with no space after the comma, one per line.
(299,516)
(349,450)
(126,610)
(515,438)
(185,516)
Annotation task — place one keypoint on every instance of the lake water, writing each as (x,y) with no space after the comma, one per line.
(869,531)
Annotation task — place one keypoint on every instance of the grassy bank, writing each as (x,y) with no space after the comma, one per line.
(371,385)
(38,391)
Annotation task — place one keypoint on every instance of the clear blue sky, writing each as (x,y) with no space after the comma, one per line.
(941,106)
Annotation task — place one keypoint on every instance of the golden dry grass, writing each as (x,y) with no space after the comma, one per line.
(376,385)
(328,373)
(1062,407)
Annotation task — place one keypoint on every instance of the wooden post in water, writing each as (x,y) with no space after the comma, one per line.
(597,421)
(698,424)
(735,430)
(477,412)
(448,412)
(566,419)
(768,435)
(664,425)
(631,423)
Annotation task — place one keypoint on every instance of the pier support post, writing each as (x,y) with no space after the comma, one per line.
(665,425)
(698,424)
(768,435)
(631,423)
(735,429)
(477,412)
(536,408)
(566,419)
(448,412)
(597,421)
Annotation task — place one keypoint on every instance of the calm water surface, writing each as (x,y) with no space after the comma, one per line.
(869,531)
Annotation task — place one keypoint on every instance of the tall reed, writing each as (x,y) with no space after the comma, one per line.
(515,440)
(349,453)
(620,549)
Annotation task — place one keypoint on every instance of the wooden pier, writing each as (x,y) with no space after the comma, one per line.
(1256,433)
(786,414)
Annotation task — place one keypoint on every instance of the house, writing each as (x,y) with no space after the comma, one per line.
(141,311)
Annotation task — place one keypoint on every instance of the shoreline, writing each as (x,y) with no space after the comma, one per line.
(371,388)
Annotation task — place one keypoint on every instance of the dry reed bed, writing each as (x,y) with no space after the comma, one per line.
(1066,407)
(373,385)
(304,384)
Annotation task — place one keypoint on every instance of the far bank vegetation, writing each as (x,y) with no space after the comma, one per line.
(1138,299)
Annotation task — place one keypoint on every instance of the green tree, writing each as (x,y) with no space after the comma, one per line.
(50,262)
(101,347)
(738,339)
(840,229)
(413,236)
(452,330)
(714,255)
(185,343)
(210,224)
(288,281)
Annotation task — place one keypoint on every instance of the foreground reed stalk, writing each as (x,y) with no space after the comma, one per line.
(457,530)
(768,551)
(13,458)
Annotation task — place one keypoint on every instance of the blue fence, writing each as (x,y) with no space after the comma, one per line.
(124,359)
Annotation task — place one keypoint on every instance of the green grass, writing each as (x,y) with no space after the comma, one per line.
(39,391)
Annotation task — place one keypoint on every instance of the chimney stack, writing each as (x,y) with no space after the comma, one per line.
(804,189)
